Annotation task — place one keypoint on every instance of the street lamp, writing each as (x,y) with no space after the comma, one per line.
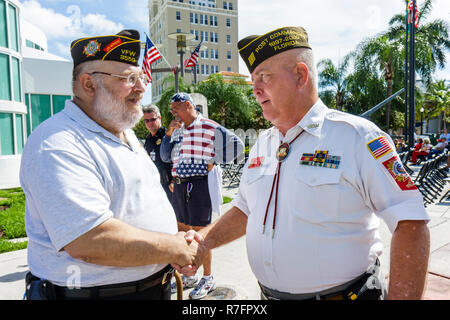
(421,120)
(181,38)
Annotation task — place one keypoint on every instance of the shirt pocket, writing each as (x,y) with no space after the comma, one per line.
(318,195)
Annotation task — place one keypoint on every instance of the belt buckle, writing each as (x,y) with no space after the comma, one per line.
(177,180)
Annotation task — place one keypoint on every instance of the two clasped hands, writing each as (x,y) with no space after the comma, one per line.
(193,257)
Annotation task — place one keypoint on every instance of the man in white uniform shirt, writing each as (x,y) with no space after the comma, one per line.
(314,188)
(97,218)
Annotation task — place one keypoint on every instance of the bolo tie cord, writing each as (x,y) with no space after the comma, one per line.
(276,180)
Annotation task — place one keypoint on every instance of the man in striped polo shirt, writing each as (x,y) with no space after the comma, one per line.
(195,145)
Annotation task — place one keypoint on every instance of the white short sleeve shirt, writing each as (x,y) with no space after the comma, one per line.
(76,175)
(328,212)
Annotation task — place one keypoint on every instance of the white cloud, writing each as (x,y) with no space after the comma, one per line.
(70,26)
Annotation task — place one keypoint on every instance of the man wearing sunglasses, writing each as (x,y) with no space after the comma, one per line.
(152,119)
(99,224)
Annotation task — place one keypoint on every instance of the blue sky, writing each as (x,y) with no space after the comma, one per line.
(334,27)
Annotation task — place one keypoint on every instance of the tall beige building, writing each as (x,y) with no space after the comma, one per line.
(215,22)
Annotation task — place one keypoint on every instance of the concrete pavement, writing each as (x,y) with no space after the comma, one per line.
(235,279)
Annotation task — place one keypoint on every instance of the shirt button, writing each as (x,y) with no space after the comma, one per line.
(267,264)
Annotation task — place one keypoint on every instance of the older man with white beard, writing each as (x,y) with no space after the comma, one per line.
(98,221)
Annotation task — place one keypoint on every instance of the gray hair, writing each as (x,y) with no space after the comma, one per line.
(307,57)
(83,68)
(151,108)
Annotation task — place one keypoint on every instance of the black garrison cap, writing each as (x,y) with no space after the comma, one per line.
(123,47)
(255,49)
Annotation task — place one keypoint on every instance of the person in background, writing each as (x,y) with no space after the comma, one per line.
(439,148)
(196,145)
(422,152)
(152,119)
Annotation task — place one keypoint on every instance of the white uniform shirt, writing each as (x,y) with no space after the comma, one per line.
(76,175)
(327,218)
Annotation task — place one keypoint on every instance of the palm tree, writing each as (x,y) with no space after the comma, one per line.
(334,77)
(381,54)
(228,102)
(437,102)
(431,40)
(387,50)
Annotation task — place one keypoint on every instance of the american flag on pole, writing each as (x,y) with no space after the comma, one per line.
(192,61)
(151,55)
(410,13)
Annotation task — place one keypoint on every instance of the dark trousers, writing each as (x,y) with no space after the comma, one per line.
(192,208)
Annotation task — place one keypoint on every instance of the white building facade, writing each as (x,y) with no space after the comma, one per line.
(33,86)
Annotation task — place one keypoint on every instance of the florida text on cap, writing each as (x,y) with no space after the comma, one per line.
(255,49)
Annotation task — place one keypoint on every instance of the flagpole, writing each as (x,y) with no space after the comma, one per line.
(406,73)
(412,74)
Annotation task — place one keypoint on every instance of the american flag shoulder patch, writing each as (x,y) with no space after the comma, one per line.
(379,147)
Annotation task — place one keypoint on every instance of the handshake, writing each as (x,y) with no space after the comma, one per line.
(191,253)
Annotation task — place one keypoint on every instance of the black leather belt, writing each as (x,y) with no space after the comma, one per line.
(161,277)
(335,293)
(179,180)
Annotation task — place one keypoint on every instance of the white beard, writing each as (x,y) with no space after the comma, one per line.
(110,110)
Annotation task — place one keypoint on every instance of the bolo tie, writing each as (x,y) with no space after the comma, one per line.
(282,154)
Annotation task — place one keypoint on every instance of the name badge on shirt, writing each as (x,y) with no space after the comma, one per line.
(320,158)
(256,162)
(153,155)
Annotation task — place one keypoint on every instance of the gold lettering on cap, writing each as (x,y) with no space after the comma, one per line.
(129,52)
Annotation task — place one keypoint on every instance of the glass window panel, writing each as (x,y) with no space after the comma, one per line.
(27,103)
(3,29)
(14,35)
(59,102)
(16,79)
(5,84)
(40,108)
(6,134)
(19,133)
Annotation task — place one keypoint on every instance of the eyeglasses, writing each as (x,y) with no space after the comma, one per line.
(132,78)
(150,120)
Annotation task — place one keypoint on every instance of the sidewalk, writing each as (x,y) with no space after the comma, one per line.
(235,279)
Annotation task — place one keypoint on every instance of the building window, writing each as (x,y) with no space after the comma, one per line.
(204,19)
(59,102)
(19,133)
(178,15)
(6,134)
(16,80)
(5,83)
(230,6)
(3,29)
(193,18)
(225,5)
(229,55)
(228,22)
(13,32)
(228,38)
(41,107)
(213,21)
(229,69)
